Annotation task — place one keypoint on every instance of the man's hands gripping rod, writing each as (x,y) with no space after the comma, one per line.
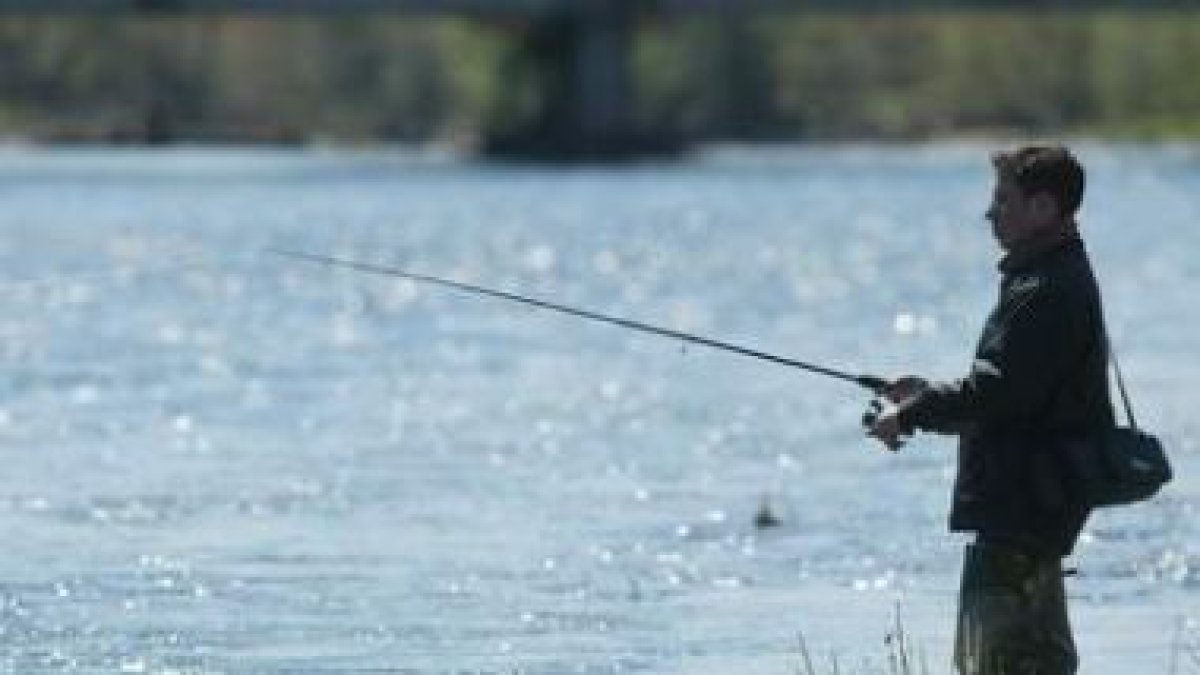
(882,418)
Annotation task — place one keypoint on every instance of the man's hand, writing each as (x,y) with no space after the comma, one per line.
(904,389)
(883,422)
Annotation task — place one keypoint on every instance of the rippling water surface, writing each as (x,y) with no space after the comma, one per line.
(216,460)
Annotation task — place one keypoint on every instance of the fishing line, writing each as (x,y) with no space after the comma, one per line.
(174,262)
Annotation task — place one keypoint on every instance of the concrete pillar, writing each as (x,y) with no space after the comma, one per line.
(602,72)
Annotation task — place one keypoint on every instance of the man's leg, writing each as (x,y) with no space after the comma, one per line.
(1012,617)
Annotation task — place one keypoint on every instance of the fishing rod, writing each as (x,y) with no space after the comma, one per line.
(875,384)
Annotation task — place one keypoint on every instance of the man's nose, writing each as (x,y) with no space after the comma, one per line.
(990,214)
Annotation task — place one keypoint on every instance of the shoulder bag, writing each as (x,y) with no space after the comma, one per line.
(1121,465)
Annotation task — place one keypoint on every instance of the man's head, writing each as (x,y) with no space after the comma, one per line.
(1038,190)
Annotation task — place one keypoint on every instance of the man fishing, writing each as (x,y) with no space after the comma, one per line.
(1039,375)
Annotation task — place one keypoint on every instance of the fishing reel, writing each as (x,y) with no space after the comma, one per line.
(879,406)
(874,410)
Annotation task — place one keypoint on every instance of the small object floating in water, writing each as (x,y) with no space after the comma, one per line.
(766,516)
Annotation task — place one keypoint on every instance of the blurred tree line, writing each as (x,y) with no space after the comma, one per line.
(791,76)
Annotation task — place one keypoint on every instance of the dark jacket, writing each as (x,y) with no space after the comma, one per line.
(1039,376)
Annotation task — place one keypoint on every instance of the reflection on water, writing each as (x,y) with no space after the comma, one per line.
(219,460)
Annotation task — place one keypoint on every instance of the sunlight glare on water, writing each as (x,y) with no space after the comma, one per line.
(219,460)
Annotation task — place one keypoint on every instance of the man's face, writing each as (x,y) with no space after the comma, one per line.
(1017,217)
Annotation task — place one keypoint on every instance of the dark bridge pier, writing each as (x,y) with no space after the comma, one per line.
(581,63)
(603,95)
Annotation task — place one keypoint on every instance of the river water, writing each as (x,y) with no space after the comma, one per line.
(220,461)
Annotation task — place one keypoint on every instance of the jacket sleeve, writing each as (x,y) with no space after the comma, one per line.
(1023,356)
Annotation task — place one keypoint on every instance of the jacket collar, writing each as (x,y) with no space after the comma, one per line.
(1035,250)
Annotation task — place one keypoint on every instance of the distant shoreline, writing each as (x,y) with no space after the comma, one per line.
(981,138)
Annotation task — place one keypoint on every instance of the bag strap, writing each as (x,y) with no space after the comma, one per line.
(1112,356)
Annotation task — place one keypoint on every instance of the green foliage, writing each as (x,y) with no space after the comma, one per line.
(708,77)
(909,75)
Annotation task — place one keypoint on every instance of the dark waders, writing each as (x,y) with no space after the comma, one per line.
(1012,616)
